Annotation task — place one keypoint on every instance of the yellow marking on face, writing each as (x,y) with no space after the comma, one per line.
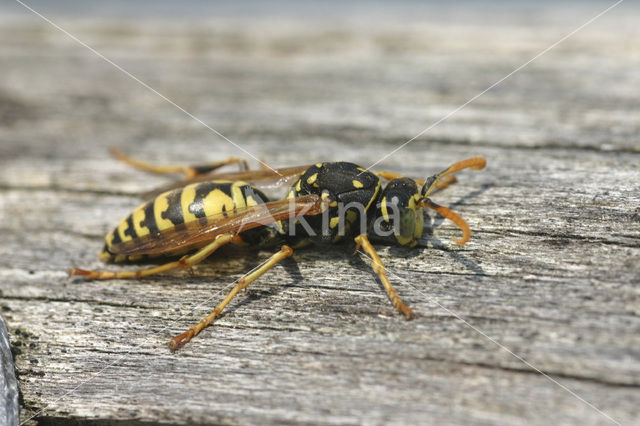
(403,241)
(122,227)
(311,179)
(419,227)
(383,208)
(334,222)
(357,183)
(160,205)
(188,196)
(138,217)
(413,201)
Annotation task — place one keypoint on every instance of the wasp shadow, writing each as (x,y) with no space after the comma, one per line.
(477,272)
(429,238)
(242,261)
(236,260)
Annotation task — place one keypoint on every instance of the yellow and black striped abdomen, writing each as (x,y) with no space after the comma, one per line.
(180,208)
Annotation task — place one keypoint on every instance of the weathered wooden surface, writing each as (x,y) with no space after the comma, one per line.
(552,271)
(9,408)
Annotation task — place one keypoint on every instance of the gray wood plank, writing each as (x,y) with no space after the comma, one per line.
(551,272)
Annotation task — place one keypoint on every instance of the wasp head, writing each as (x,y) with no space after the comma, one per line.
(399,215)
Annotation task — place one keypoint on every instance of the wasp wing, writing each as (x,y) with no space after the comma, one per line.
(183,237)
(262,179)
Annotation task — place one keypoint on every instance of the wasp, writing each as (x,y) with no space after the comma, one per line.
(326,203)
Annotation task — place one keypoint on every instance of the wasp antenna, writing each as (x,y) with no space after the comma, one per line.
(474,163)
(444,183)
(453,217)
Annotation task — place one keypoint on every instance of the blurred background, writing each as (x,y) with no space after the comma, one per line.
(551,270)
(339,77)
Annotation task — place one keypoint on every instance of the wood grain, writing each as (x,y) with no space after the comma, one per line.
(551,271)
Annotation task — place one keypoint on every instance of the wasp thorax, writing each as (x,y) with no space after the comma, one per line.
(350,189)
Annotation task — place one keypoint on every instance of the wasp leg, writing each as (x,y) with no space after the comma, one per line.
(184,262)
(189,171)
(439,185)
(362,241)
(285,251)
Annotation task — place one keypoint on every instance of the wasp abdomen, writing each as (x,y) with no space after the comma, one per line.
(180,208)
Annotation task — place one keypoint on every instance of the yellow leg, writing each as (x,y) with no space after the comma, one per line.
(439,185)
(362,241)
(188,171)
(243,282)
(183,263)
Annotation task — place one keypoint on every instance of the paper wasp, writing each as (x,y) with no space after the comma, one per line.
(328,203)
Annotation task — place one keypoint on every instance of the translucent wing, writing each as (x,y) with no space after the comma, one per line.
(190,235)
(262,179)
